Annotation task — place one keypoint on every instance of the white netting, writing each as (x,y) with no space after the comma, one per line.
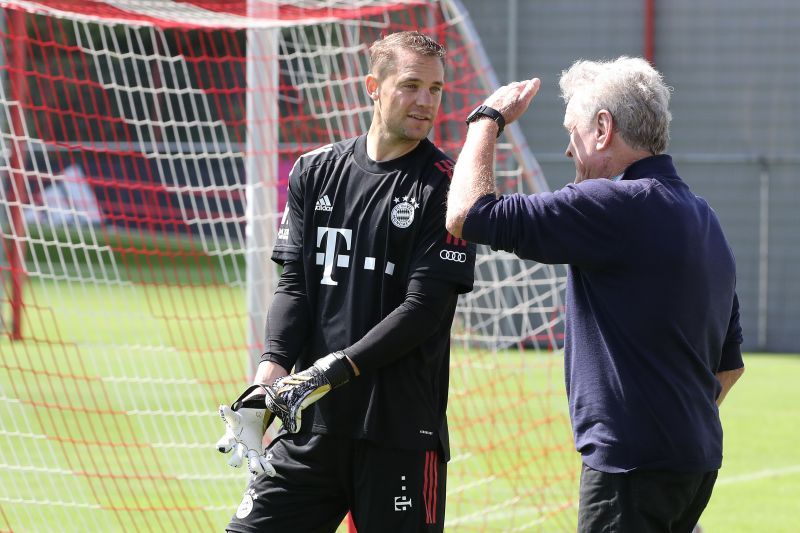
(143,165)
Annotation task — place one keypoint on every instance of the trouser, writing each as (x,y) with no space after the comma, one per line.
(642,501)
(320,477)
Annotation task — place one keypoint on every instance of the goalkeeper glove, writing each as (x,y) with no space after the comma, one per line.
(245,424)
(289,395)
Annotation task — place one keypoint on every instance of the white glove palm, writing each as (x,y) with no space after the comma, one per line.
(245,424)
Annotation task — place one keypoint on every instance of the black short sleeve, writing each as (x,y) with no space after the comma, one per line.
(439,255)
(289,242)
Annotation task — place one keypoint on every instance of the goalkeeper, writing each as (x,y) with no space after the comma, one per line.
(362,314)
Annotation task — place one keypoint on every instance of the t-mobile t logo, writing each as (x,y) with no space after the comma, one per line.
(329,257)
(402,503)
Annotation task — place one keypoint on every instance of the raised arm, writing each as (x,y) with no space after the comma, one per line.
(473,176)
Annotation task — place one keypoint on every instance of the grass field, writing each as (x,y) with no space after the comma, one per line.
(108,417)
(107,413)
(758,489)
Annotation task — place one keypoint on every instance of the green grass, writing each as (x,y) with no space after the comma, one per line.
(107,417)
(107,422)
(758,489)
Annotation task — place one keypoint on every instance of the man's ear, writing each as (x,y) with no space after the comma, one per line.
(605,129)
(372,85)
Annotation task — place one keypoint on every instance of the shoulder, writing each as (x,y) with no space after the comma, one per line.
(323,154)
(442,164)
(605,190)
(596,198)
(439,169)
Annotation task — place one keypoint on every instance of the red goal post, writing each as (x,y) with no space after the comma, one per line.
(144,152)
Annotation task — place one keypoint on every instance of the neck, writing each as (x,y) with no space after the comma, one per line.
(626,159)
(383,147)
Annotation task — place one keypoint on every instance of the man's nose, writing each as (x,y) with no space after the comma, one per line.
(424,98)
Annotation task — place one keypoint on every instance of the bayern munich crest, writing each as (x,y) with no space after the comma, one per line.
(403,212)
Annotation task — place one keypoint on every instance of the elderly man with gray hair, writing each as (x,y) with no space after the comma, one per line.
(652,317)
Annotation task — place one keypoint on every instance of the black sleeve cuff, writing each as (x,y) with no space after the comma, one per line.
(278,360)
(731,357)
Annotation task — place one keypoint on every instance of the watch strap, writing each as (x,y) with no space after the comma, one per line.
(486,111)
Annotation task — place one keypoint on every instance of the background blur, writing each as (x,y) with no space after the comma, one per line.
(735,70)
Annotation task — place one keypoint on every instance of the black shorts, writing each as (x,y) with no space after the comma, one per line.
(642,501)
(320,478)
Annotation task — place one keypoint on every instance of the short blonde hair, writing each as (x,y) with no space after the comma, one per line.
(631,90)
(383,52)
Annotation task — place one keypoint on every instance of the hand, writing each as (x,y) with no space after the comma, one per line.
(513,99)
(288,396)
(245,423)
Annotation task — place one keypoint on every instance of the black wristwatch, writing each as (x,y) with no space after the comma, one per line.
(486,111)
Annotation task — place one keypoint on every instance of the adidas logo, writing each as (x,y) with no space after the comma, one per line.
(323,204)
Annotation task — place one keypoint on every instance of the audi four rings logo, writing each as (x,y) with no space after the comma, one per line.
(449,255)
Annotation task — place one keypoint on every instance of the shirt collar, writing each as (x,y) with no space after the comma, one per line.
(656,164)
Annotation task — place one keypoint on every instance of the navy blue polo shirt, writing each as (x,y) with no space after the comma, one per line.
(651,310)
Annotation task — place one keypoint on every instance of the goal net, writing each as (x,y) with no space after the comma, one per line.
(144,154)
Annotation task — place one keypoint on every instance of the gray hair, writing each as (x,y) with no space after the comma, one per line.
(631,90)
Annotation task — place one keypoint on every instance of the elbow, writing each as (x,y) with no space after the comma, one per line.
(455,216)
(454,223)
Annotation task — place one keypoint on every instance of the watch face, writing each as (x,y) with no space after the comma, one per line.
(486,111)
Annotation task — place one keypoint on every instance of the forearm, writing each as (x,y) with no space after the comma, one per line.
(287,326)
(727,378)
(473,175)
(426,305)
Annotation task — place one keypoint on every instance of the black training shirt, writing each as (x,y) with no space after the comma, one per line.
(370,236)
